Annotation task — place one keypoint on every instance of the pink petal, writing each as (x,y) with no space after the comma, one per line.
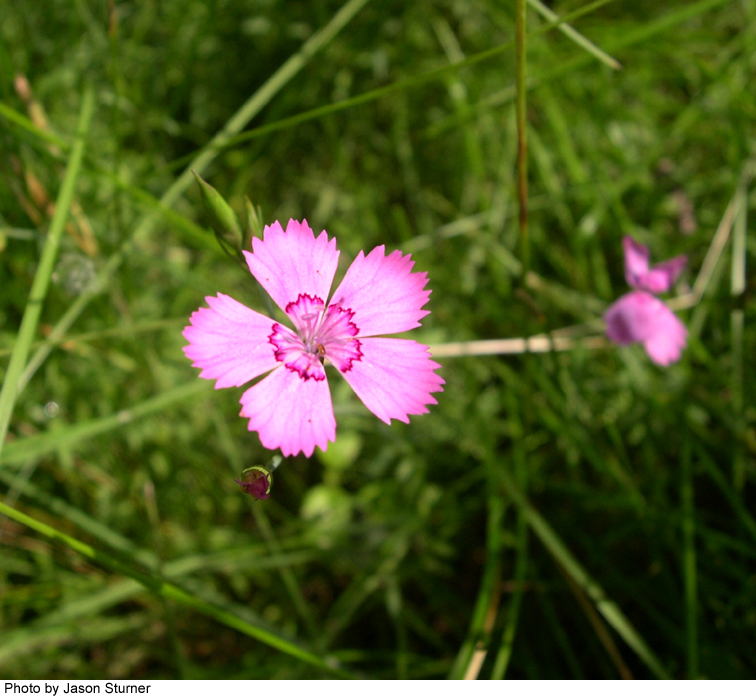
(669,340)
(293,262)
(384,293)
(661,277)
(636,260)
(229,342)
(629,319)
(290,413)
(394,378)
(639,317)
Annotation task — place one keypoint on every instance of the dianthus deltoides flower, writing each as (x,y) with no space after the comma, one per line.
(639,317)
(291,407)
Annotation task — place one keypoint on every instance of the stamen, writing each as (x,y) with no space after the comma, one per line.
(321,332)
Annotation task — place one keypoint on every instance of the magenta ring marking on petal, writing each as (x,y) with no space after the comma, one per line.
(321,333)
(282,344)
(290,349)
(337,314)
(306,313)
(359,355)
(337,337)
(276,350)
(306,373)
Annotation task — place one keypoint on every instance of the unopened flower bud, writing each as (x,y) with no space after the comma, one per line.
(256,481)
(225,224)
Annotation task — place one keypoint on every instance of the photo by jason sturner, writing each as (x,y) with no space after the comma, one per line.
(66,688)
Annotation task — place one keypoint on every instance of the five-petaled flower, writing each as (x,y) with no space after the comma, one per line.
(639,317)
(291,408)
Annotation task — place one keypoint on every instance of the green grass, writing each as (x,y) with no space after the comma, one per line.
(578,513)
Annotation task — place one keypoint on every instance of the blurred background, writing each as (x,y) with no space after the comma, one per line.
(573,514)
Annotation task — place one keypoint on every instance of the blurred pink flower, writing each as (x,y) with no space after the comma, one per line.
(657,279)
(291,408)
(639,317)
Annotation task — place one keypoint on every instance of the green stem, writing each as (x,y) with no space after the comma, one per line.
(92,526)
(41,282)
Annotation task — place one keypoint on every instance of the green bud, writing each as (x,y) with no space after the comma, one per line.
(225,223)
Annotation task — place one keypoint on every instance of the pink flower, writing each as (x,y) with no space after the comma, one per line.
(657,279)
(291,408)
(639,317)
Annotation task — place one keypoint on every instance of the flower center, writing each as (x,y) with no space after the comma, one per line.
(320,333)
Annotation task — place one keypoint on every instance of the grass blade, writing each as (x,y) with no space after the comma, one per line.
(114,331)
(91,525)
(566,560)
(504,654)
(254,105)
(486,606)
(576,36)
(29,322)
(403,84)
(603,634)
(170,591)
(28,125)
(64,620)
(35,447)
(732,496)
(196,234)
(632,38)
(517,432)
